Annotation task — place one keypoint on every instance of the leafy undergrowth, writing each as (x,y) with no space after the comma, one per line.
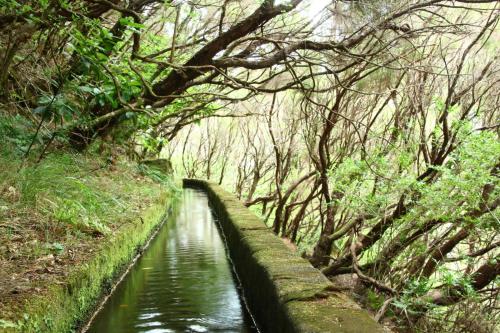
(54,214)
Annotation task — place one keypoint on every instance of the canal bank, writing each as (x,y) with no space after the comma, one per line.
(64,307)
(284,292)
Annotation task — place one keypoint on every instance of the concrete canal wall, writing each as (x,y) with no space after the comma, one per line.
(284,292)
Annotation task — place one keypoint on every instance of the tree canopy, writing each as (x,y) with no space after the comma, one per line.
(365,133)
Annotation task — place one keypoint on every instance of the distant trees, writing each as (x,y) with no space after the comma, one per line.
(392,171)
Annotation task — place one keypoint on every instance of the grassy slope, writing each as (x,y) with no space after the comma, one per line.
(56,216)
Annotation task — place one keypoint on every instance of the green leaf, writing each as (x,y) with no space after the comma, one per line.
(41,110)
(7,324)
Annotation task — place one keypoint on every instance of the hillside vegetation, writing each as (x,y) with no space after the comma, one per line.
(57,214)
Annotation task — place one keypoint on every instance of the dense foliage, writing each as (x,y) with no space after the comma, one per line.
(363,132)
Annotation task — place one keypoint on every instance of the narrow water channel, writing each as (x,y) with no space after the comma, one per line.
(182,283)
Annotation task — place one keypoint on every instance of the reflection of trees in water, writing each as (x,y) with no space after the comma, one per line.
(183,279)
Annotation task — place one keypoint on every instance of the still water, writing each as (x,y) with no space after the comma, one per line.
(182,283)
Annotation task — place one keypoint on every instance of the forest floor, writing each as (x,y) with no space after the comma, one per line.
(55,214)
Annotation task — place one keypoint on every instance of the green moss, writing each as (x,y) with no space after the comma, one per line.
(330,315)
(64,307)
(65,206)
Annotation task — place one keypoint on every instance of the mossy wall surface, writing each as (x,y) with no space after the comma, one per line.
(284,292)
(64,308)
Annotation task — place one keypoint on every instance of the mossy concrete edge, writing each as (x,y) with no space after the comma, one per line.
(283,291)
(66,308)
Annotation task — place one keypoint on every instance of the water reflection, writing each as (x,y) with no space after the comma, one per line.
(182,283)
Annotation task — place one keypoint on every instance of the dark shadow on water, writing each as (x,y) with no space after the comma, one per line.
(182,283)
